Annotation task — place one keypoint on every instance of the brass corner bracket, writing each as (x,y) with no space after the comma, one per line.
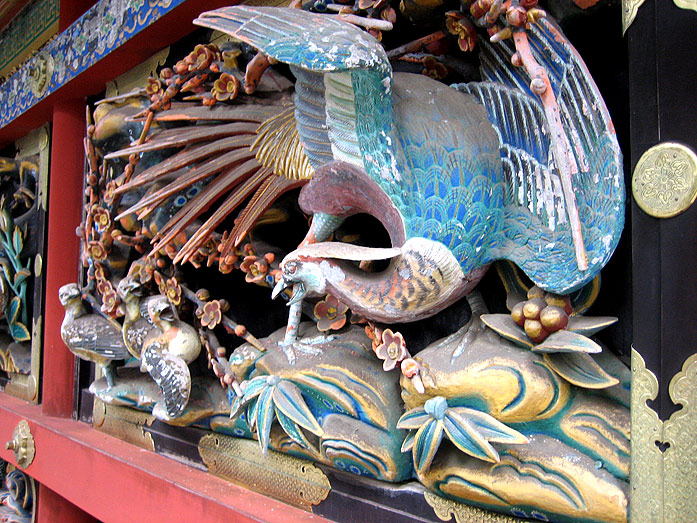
(664,462)
(447,509)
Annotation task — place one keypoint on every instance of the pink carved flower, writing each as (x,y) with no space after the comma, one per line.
(103,286)
(99,272)
(110,303)
(109,192)
(392,350)
(96,251)
(416,371)
(173,291)
(226,87)
(255,268)
(200,58)
(374,333)
(101,218)
(434,69)
(142,270)
(110,300)
(410,367)
(154,87)
(458,24)
(331,314)
(169,287)
(212,314)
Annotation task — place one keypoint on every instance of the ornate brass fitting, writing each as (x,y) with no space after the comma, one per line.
(22,444)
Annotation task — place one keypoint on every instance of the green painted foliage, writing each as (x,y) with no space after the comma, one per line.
(19,332)
(580,370)
(14,309)
(267,398)
(567,351)
(468,429)
(17,240)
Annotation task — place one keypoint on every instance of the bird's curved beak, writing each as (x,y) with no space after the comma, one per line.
(299,290)
(163,309)
(279,288)
(132,286)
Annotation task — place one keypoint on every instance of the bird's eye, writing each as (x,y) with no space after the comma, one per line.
(290,268)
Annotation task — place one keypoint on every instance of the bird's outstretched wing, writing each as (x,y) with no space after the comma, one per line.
(353,66)
(537,231)
(172,375)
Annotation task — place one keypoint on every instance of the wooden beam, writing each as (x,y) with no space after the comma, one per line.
(71,10)
(114,481)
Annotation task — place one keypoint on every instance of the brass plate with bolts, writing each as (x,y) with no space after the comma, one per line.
(289,479)
(664,183)
(123,423)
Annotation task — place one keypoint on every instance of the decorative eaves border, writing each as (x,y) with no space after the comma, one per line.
(98,32)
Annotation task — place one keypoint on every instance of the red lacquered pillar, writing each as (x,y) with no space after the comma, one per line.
(62,252)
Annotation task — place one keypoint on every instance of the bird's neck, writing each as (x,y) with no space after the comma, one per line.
(132,309)
(168,328)
(417,284)
(73,310)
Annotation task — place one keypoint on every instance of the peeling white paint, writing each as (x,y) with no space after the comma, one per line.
(331,272)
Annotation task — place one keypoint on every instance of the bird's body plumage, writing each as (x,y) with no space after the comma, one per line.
(166,355)
(90,336)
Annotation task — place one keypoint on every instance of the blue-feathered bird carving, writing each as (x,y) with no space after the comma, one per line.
(460,176)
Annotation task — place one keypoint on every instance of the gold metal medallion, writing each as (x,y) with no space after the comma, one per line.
(40,73)
(665,180)
(687,4)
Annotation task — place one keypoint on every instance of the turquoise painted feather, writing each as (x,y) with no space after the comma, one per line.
(460,176)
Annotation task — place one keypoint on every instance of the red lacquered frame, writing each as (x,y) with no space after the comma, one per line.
(84,474)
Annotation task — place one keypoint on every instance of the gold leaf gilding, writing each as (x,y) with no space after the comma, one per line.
(123,423)
(278,147)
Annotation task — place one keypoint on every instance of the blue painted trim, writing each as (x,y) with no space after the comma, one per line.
(98,32)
